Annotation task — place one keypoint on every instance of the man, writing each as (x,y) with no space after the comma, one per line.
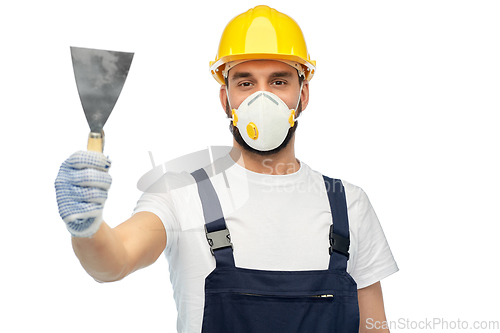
(288,250)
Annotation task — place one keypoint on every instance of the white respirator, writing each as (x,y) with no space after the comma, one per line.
(263,120)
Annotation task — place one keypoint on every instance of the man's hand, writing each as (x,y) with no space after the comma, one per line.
(81,190)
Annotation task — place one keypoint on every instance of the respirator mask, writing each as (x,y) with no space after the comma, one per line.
(263,120)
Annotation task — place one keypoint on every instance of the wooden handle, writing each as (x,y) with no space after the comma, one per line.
(96,142)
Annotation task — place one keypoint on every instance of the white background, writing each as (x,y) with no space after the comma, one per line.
(405,104)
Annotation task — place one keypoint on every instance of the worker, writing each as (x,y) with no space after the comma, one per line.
(257,241)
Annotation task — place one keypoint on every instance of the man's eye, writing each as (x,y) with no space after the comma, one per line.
(278,83)
(245,84)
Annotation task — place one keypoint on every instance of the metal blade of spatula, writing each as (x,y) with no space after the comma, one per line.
(100,76)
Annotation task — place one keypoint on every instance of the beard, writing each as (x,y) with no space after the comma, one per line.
(239,139)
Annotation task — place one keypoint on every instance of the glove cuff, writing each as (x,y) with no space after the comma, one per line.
(84,227)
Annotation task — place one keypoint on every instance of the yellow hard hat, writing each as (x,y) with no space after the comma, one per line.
(262,33)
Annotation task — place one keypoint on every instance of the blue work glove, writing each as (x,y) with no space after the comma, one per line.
(81,190)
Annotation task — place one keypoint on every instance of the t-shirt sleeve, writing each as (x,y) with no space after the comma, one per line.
(160,200)
(374,259)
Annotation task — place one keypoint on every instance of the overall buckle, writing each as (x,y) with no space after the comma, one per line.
(338,243)
(218,239)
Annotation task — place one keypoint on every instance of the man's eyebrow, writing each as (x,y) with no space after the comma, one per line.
(281,74)
(239,75)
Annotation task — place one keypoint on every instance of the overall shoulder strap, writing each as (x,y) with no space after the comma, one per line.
(218,236)
(339,230)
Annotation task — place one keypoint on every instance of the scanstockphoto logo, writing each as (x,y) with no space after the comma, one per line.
(301,186)
(167,176)
(438,324)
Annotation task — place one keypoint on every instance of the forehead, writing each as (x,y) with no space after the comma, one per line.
(261,68)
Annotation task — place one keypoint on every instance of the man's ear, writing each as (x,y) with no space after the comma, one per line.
(223,98)
(304,94)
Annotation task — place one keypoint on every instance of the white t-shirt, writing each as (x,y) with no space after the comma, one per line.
(276,222)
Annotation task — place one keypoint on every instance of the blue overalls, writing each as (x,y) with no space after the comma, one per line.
(240,300)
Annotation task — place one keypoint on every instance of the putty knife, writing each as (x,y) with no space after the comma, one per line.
(100,76)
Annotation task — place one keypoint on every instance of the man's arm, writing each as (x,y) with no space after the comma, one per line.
(371,309)
(111,254)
